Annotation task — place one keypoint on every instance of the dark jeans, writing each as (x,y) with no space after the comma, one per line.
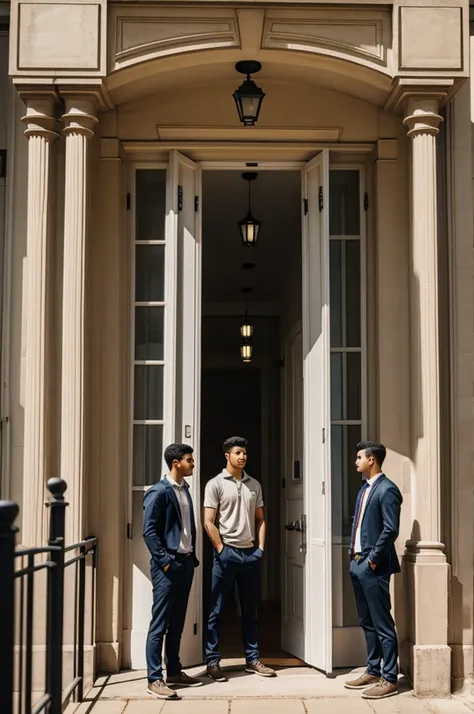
(170,601)
(372,595)
(241,566)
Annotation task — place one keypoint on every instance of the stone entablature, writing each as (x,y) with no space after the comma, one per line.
(93,39)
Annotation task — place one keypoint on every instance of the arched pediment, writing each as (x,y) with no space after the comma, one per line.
(148,41)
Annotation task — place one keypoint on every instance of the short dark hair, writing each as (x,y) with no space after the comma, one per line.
(373,448)
(176,451)
(232,441)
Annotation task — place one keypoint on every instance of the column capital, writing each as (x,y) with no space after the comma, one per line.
(41,115)
(421,115)
(80,116)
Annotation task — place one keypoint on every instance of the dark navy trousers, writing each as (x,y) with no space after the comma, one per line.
(170,601)
(372,595)
(241,566)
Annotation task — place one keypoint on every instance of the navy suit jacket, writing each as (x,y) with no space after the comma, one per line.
(162,524)
(380,525)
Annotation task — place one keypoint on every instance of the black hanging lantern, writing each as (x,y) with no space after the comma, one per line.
(248,97)
(249,226)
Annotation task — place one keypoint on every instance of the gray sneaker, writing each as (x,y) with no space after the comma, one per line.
(160,690)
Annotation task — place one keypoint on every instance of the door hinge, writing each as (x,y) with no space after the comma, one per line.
(180,198)
(321,199)
(196,204)
(129,531)
(305,206)
(195,628)
(366,201)
(323,488)
(129,201)
(324,436)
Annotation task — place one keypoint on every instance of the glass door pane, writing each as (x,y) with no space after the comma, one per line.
(150,306)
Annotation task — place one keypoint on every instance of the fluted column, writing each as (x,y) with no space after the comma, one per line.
(40,124)
(422,120)
(426,570)
(79,119)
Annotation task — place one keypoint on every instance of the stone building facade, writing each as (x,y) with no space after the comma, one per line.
(117,119)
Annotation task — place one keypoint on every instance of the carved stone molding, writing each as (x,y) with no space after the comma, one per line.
(362,35)
(138,34)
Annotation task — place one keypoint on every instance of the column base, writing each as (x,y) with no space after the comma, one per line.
(425,656)
(108,657)
(432,671)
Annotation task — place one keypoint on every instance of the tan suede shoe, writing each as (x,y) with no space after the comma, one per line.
(365,680)
(381,690)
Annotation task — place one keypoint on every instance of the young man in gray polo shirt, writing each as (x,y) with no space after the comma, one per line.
(234,520)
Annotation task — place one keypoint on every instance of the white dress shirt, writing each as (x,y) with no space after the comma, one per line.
(186,541)
(370,483)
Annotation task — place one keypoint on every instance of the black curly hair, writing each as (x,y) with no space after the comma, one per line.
(232,441)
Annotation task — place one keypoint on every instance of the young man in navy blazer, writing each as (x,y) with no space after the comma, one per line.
(373,560)
(169,530)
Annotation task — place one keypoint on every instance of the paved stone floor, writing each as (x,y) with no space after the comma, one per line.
(300,690)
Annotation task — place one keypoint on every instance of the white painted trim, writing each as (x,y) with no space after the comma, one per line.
(171,288)
(319,420)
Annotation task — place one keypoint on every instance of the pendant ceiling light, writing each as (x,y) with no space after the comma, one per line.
(246,327)
(249,226)
(248,97)
(246,351)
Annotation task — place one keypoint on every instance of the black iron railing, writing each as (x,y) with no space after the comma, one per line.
(18,611)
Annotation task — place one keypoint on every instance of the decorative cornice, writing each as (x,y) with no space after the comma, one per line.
(93,90)
(404,89)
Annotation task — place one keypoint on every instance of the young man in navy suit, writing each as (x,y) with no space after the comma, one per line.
(169,530)
(373,560)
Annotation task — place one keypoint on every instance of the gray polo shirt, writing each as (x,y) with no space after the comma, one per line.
(235,502)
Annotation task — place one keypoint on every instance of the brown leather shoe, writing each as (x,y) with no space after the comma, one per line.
(183,680)
(381,690)
(260,669)
(160,690)
(215,672)
(365,680)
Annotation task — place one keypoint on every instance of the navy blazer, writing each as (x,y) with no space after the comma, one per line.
(162,524)
(380,525)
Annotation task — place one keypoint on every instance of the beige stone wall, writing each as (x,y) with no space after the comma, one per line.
(461,525)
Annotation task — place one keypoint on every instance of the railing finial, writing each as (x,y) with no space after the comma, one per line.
(57,488)
(8,512)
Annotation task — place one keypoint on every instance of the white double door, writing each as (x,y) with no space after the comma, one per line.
(306,590)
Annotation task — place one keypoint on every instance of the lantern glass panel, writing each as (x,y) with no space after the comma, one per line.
(246,352)
(246,329)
